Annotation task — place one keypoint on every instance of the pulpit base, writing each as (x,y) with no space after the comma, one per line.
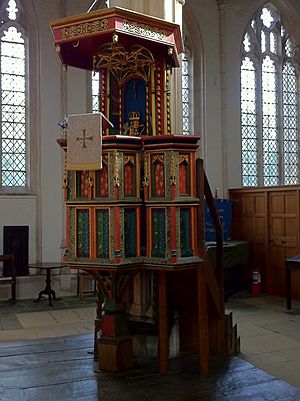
(115,354)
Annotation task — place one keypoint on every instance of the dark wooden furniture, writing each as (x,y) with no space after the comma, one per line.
(292,263)
(48,266)
(236,259)
(15,240)
(8,265)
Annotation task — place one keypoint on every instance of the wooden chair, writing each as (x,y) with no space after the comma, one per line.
(82,277)
(9,276)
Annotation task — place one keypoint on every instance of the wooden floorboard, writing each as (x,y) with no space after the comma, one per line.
(61,369)
(69,343)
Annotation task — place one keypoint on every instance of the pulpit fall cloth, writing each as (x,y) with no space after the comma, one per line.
(85,141)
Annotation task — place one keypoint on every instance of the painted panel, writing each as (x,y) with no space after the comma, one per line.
(158,176)
(158,233)
(130,232)
(101,185)
(102,234)
(70,175)
(82,183)
(184,176)
(83,233)
(129,176)
(185,232)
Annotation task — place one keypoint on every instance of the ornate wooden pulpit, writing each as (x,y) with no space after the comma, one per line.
(139,211)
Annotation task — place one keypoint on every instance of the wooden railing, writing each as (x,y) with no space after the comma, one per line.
(214,277)
(219,231)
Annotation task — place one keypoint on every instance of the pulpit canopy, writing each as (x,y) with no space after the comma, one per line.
(78,38)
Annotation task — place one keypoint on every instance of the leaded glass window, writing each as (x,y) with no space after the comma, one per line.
(185,73)
(13,107)
(269,102)
(95,92)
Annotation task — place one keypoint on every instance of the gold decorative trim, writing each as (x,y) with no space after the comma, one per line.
(116,169)
(159,158)
(144,30)
(167,101)
(146,171)
(65,184)
(129,159)
(172,169)
(90,180)
(84,29)
(153,103)
(184,158)
(123,63)
(81,167)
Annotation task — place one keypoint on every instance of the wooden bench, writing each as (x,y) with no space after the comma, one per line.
(11,278)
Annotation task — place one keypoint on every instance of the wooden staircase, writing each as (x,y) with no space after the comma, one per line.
(222,335)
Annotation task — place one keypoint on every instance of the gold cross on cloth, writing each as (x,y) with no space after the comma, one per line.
(84,138)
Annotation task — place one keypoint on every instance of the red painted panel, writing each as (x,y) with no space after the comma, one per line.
(84,183)
(183,179)
(103,184)
(128,179)
(159,179)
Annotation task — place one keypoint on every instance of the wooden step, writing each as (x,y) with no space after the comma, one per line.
(233,341)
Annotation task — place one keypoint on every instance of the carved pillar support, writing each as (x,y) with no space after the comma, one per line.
(115,343)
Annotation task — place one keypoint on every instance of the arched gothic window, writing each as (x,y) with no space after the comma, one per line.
(14,151)
(186,82)
(269,102)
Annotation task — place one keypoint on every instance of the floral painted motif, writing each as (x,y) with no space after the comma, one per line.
(130,232)
(183,179)
(83,233)
(102,181)
(159,179)
(102,223)
(158,233)
(82,184)
(129,179)
(185,232)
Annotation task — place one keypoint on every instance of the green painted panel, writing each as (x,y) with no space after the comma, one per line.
(185,232)
(130,232)
(83,233)
(158,233)
(102,224)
